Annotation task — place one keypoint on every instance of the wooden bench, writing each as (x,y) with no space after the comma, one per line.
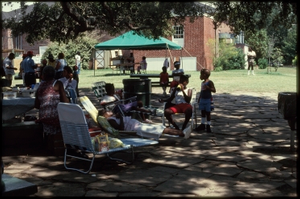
(152,76)
(157,84)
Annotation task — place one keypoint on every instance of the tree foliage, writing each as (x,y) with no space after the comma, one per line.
(251,16)
(65,20)
(228,56)
(84,44)
(289,47)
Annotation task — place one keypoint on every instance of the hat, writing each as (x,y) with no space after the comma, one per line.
(30,53)
(177,63)
(50,56)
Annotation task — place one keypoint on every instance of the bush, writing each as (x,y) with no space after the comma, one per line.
(235,59)
(262,63)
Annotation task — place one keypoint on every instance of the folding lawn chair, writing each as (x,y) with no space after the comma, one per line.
(99,89)
(76,136)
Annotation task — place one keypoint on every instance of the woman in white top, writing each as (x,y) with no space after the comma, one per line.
(61,63)
(179,102)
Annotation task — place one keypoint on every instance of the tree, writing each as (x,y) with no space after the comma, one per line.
(259,43)
(229,57)
(252,16)
(289,48)
(84,44)
(64,21)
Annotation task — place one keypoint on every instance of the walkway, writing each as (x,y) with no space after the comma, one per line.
(246,155)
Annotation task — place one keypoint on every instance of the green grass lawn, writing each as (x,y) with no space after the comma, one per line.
(283,80)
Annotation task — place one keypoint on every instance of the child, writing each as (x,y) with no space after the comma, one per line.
(143,64)
(179,102)
(69,83)
(204,100)
(177,72)
(164,79)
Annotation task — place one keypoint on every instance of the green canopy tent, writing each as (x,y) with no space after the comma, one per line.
(131,41)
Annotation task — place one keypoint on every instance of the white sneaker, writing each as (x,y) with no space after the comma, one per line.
(187,132)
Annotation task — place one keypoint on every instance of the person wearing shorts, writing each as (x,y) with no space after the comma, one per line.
(205,100)
(179,102)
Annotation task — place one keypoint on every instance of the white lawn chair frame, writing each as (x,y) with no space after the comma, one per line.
(193,102)
(76,135)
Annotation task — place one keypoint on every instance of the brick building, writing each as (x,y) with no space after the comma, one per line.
(193,37)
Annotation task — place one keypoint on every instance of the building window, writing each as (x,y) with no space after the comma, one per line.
(178,36)
(18,42)
(178,32)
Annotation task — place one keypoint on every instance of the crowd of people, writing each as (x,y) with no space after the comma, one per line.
(59,83)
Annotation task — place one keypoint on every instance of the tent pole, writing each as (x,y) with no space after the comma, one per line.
(181,62)
(196,59)
(171,57)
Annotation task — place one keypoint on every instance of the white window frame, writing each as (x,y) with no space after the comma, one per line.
(178,36)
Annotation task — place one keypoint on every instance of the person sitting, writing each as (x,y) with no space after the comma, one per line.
(176,75)
(142,129)
(179,102)
(108,103)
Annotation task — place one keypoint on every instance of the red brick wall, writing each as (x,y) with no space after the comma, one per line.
(35,48)
(196,36)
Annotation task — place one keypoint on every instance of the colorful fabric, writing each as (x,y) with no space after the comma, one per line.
(49,99)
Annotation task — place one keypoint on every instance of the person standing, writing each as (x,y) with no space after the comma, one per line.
(166,63)
(77,69)
(61,63)
(44,64)
(48,95)
(179,102)
(51,61)
(144,64)
(176,73)
(22,72)
(164,79)
(204,100)
(9,68)
(131,63)
(78,61)
(76,77)
(251,55)
(29,67)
